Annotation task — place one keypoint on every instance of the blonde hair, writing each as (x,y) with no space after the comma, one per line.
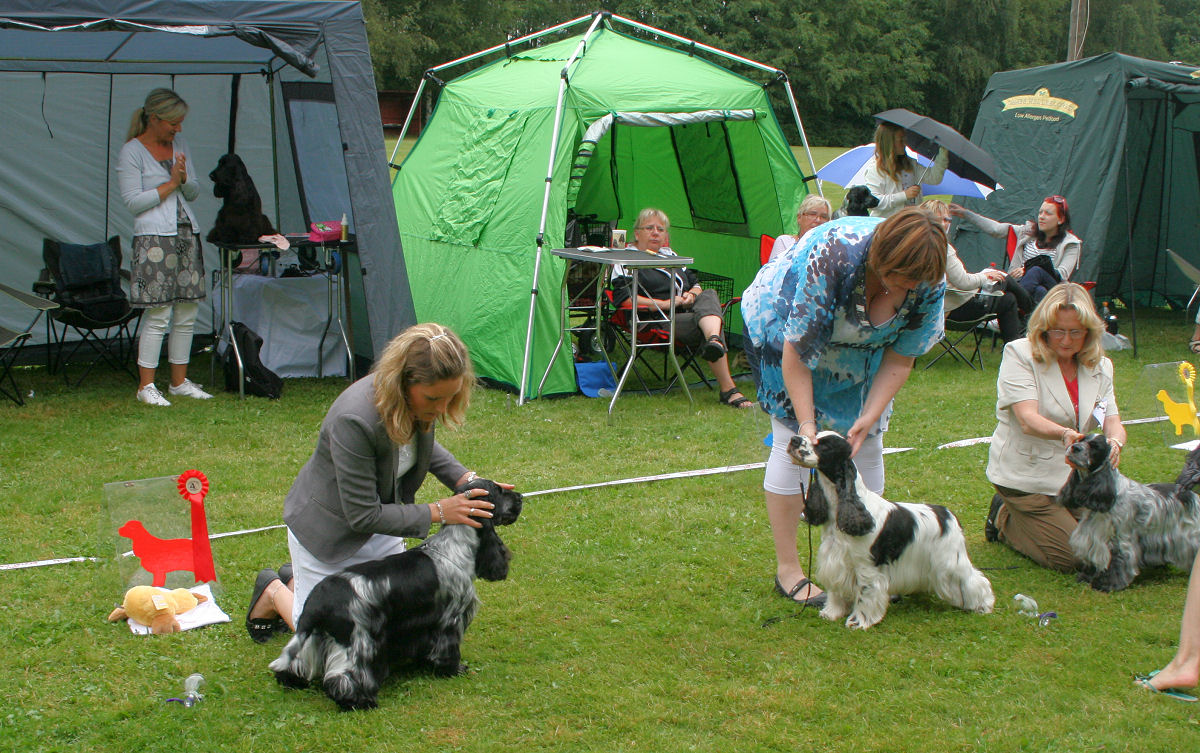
(421,354)
(811,202)
(936,207)
(1066,296)
(649,212)
(164,104)
(887,160)
(911,243)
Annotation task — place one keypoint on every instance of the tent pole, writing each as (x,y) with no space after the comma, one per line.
(700,45)
(274,144)
(412,109)
(511,42)
(787,86)
(564,78)
(1129,231)
(107,154)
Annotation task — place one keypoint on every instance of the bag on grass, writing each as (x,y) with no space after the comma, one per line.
(260,381)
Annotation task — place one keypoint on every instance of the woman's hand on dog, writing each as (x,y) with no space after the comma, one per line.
(464,508)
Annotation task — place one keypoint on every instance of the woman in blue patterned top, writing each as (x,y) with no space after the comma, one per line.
(834,325)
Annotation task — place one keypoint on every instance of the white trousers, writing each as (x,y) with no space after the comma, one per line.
(785,477)
(154,327)
(309,571)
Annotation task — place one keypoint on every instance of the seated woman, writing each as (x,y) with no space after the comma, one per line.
(814,210)
(834,327)
(353,500)
(1054,386)
(698,320)
(1046,253)
(964,301)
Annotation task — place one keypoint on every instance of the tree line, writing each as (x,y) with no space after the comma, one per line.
(846,59)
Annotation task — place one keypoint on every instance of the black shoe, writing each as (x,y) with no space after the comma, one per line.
(990,531)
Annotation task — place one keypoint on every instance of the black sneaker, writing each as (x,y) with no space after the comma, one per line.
(990,531)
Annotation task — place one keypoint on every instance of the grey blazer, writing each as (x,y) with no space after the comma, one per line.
(348,489)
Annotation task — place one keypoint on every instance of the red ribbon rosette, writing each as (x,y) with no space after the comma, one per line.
(192,485)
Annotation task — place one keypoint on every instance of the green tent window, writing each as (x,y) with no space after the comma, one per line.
(709,176)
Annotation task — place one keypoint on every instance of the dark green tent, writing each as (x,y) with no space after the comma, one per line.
(1119,137)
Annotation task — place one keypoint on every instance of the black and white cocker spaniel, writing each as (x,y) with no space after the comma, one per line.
(409,608)
(240,220)
(1125,525)
(872,548)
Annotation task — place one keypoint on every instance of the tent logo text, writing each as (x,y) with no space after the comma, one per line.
(1040,100)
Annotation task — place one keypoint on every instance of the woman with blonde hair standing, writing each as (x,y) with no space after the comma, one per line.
(353,500)
(166,258)
(894,177)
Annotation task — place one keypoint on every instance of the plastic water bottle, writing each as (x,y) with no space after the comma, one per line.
(1026,605)
(191,690)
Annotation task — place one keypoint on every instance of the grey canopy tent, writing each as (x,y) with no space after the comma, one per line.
(1119,137)
(283,83)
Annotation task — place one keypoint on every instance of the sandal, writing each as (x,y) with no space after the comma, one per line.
(1194,346)
(713,349)
(812,601)
(740,401)
(261,629)
(1179,695)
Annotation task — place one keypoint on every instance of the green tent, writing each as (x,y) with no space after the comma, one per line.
(483,196)
(1119,137)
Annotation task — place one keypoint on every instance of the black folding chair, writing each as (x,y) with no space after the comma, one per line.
(85,282)
(11,340)
(957,332)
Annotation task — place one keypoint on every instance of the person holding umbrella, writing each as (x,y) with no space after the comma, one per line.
(833,328)
(894,177)
(1044,251)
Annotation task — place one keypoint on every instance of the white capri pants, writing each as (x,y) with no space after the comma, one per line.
(308,571)
(785,477)
(154,327)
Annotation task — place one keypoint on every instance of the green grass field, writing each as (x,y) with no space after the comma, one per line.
(635,617)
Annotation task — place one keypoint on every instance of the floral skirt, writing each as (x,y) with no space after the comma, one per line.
(167,268)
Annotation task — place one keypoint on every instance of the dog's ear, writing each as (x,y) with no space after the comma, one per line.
(492,558)
(852,516)
(816,506)
(1098,451)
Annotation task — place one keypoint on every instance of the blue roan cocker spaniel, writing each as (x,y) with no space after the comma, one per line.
(409,608)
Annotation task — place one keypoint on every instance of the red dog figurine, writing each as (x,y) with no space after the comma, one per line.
(161,556)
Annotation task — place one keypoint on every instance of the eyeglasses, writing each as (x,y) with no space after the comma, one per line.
(653,228)
(1059,334)
(822,216)
(1061,201)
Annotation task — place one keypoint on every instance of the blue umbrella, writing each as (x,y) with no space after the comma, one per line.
(847,169)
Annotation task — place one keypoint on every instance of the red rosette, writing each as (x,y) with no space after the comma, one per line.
(192,485)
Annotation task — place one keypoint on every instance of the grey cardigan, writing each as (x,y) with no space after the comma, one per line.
(348,489)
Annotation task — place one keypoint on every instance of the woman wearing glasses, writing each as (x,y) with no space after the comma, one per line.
(1046,251)
(814,210)
(1055,385)
(698,315)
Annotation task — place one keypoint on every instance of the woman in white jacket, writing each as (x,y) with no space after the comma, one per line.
(894,177)
(168,265)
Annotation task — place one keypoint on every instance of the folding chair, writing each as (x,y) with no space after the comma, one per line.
(653,330)
(11,341)
(85,282)
(954,335)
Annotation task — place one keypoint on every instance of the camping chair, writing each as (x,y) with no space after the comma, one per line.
(85,282)
(956,332)
(654,331)
(11,341)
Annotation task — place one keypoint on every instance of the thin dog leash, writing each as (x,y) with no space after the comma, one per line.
(812,479)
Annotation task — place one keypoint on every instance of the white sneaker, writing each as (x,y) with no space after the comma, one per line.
(190,389)
(151,396)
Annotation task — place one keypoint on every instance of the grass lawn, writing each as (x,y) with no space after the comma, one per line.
(634,615)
